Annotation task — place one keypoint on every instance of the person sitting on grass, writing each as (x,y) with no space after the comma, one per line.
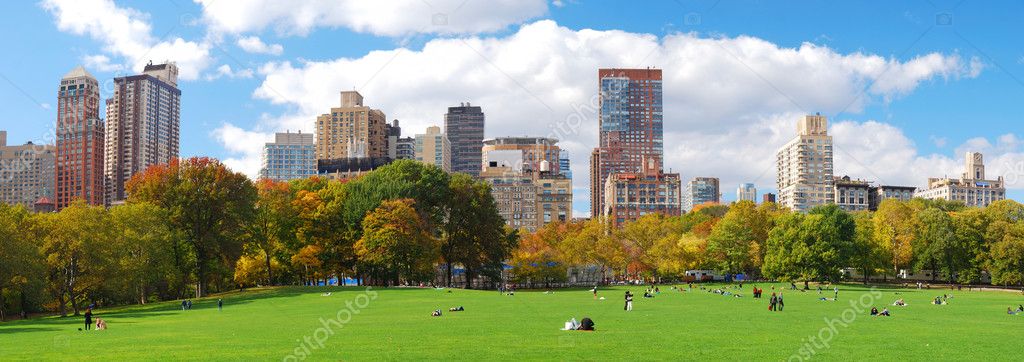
(937,301)
(586,324)
(874,311)
(101,324)
(900,302)
(885,312)
(436,313)
(647,294)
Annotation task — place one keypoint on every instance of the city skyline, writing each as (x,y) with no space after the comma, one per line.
(920,91)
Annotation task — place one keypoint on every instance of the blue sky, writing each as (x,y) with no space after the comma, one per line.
(908,86)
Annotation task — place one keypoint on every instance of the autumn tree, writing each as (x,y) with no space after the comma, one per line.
(736,240)
(272,224)
(207,203)
(396,243)
(895,229)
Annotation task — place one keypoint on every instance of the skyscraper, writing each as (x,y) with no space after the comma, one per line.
(26,173)
(393,133)
(746,192)
(804,166)
(630,118)
(142,127)
(351,130)
(631,195)
(701,190)
(434,148)
(464,126)
(79,132)
(291,156)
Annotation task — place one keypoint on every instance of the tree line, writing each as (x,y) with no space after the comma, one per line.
(192,227)
(956,243)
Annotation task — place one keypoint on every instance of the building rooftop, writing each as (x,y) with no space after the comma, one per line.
(78,72)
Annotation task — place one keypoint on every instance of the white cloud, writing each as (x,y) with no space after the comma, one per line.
(126,32)
(387,18)
(244,143)
(939,142)
(253,44)
(734,99)
(890,157)
(101,63)
(225,71)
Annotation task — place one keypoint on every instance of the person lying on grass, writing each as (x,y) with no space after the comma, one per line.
(436,313)
(586,324)
(456,309)
(885,312)
(900,302)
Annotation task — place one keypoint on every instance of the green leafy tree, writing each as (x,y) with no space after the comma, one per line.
(78,254)
(208,204)
(143,244)
(866,253)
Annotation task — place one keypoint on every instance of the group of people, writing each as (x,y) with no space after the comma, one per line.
(942,300)
(629,301)
(1020,309)
(100,323)
(186,304)
(775,303)
(883,313)
(757,292)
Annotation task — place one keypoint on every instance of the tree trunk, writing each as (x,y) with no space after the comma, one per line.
(448,276)
(63,305)
(24,304)
(866,276)
(1,305)
(270,273)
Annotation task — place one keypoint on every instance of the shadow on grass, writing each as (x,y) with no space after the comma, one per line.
(6,330)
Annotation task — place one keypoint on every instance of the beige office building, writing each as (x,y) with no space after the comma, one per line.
(433,148)
(526,182)
(351,130)
(804,166)
(972,188)
(26,172)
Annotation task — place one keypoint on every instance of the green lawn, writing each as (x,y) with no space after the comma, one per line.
(271,324)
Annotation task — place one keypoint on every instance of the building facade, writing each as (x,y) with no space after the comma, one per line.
(291,156)
(972,187)
(80,146)
(464,126)
(26,173)
(142,126)
(852,194)
(746,192)
(768,197)
(526,181)
(631,195)
(804,166)
(351,130)
(393,132)
(564,166)
(701,190)
(433,148)
(405,148)
(883,192)
(631,130)
(522,154)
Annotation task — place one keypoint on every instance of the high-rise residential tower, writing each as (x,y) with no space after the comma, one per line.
(630,118)
(701,190)
(351,130)
(79,165)
(464,126)
(804,166)
(26,173)
(746,192)
(291,156)
(434,148)
(142,127)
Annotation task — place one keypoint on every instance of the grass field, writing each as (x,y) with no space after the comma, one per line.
(394,324)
